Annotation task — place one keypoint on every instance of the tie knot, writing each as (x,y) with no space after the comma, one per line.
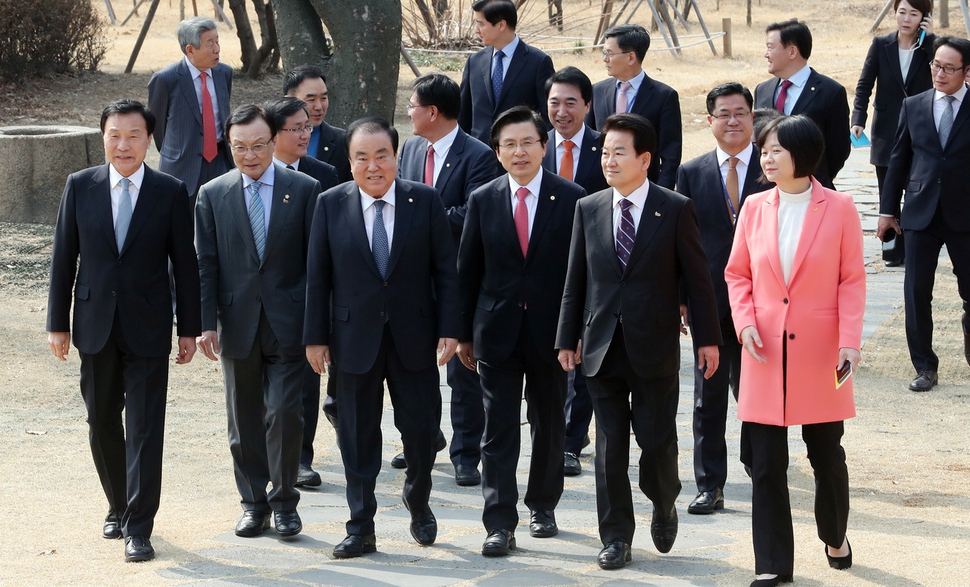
(499,55)
(786,84)
(949,99)
(379,204)
(624,85)
(125,183)
(290,167)
(625,204)
(733,162)
(568,145)
(254,188)
(430,149)
(522,194)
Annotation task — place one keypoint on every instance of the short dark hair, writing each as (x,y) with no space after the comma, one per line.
(248,113)
(300,74)
(924,6)
(370,125)
(644,135)
(728,89)
(440,91)
(957,44)
(279,109)
(495,11)
(572,76)
(794,32)
(516,115)
(800,136)
(126,106)
(630,37)
(762,116)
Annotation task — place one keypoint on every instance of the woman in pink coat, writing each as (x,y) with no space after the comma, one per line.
(797,285)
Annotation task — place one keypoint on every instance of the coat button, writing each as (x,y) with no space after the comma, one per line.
(382,312)
(113,293)
(520,304)
(785,300)
(791,337)
(385,284)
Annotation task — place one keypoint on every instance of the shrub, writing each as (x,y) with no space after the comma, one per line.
(40,37)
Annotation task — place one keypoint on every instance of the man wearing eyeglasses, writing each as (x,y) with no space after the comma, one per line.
(253,229)
(929,161)
(718,182)
(630,89)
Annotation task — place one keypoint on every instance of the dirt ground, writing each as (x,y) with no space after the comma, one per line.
(909,458)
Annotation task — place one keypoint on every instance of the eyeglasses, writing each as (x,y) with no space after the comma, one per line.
(513,146)
(256,149)
(299,130)
(723,116)
(609,54)
(411,106)
(936,68)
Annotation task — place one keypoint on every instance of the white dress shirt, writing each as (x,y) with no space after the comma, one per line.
(114,180)
(441,148)
(939,104)
(531,201)
(798,81)
(197,82)
(577,140)
(638,198)
(265,192)
(367,202)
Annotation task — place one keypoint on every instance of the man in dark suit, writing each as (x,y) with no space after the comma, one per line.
(441,155)
(506,73)
(634,247)
(308,83)
(799,89)
(718,182)
(511,270)
(382,286)
(190,99)
(573,152)
(253,229)
(124,221)
(630,89)
(932,168)
(293,130)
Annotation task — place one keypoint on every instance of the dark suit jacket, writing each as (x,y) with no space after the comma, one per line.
(824,101)
(349,303)
(498,286)
(525,84)
(332,149)
(236,285)
(588,171)
(468,165)
(133,283)
(178,129)
(882,67)
(646,297)
(658,103)
(700,180)
(324,173)
(931,175)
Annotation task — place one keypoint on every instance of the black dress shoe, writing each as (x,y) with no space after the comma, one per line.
(498,543)
(772,582)
(288,523)
(307,477)
(924,381)
(571,465)
(706,502)
(663,529)
(465,475)
(542,524)
(840,563)
(112,526)
(424,529)
(614,556)
(399,462)
(252,523)
(966,339)
(442,443)
(355,545)
(138,549)
(895,263)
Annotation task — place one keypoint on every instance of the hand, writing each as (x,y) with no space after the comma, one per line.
(318,355)
(856,130)
(886,223)
(186,350)
(466,354)
(927,24)
(851,355)
(209,344)
(60,343)
(684,322)
(446,348)
(751,342)
(709,357)
(569,358)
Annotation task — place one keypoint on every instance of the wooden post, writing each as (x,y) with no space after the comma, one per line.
(410,62)
(748,18)
(700,19)
(944,14)
(726,27)
(141,36)
(111,12)
(882,15)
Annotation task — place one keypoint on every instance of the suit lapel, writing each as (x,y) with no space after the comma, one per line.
(770,235)
(403,214)
(545,208)
(187,86)
(222,93)
(643,95)
(512,74)
(589,157)
(813,219)
(235,201)
(549,159)
(101,188)
(958,120)
(892,54)
(808,94)
(358,232)
(143,209)
(279,209)
(715,183)
(602,220)
(507,221)
(653,215)
(486,73)
(451,161)
(752,179)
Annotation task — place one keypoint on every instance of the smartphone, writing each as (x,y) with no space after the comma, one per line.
(922,31)
(842,374)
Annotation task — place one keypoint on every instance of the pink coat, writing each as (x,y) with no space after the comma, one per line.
(820,310)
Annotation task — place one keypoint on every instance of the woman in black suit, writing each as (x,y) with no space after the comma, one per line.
(899,64)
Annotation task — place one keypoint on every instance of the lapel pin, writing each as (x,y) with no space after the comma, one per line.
(286,199)
(447,164)
(328,148)
(657,214)
(553,198)
(815,210)
(813,88)
(411,200)
(594,148)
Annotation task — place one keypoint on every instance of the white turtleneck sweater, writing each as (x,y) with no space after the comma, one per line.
(791,217)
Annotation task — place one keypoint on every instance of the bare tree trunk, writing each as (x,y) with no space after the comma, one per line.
(944,15)
(267,32)
(245,33)
(300,33)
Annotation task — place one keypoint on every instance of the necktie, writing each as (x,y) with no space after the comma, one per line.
(124,213)
(621,99)
(782,96)
(429,167)
(522,220)
(566,165)
(625,234)
(290,167)
(732,187)
(946,121)
(209,148)
(257,219)
(497,76)
(379,246)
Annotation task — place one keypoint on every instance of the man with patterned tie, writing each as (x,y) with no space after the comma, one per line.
(511,269)
(124,221)
(634,248)
(630,89)
(799,89)
(253,230)
(381,300)
(190,99)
